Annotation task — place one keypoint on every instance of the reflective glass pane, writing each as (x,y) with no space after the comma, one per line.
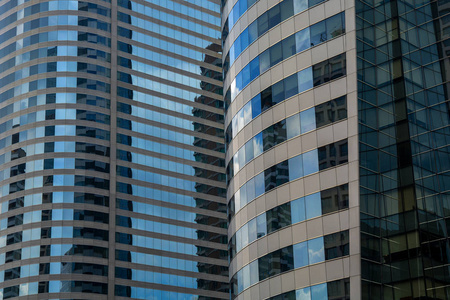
(303,294)
(319,292)
(318,33)
(305,80)
(302,40)
(313,205)
(300,5)
(316,251)
(310,162)
(293,126)
(295,167)
(308,120)
(298,210)
(300,255)
(261,225)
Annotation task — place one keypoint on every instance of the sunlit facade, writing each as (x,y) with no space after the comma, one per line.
(337,138)
(292,156)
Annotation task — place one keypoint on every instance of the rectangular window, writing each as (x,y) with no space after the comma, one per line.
(336,245)
(334,199)
(288,45)
(331,111)
(278,217)
(263,23)
(302,40)
(318,33)
(290,86)
(276,54)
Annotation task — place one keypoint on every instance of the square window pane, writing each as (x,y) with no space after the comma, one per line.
(300,5)
(303,294)
(319,292)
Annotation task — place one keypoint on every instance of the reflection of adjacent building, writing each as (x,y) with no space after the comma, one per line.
(404,202)
(213,175)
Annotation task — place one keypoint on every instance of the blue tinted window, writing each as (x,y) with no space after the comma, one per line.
(261,225)
(256,106)
(253,32)
(244,199)
(319,292)
(254,68)
(258,144)
(302,40)
(310,162)
(295,167)
(249,151)
(308,120)
(252,228)
(303,294)
(290,86)
(264,59)
(300,5)
(300,255)
(318,33)
(254,275)
(313,205)
(305,80)
(316,251)
(251,190)
(293,126)
(298,210)
(259,184)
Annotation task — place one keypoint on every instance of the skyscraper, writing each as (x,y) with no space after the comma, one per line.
(234,149)
(292,149)
(337,136)
(112,153)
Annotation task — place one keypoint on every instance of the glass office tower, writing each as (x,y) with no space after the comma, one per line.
(403,104)
(112,174)
(292,149)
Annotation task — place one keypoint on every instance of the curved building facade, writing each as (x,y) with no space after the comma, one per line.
(112,172)
(292,154)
